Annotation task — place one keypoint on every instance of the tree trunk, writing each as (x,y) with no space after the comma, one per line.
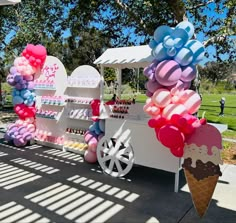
(1,93)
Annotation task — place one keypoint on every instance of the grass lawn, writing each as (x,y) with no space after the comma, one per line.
(211,107)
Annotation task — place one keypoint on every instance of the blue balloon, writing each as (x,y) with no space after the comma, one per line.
(25,93)
(152,44)
(180,37)
(184,57)
(171,52)
(160,52)
(17,100)
(188,27)
(161,32)
(102,125)
(197,49)
(168,42)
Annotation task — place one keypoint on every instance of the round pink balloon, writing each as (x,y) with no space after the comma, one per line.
(92,146)
(168,72)
(172,109)
(161,98)
(90,156)
(191,100)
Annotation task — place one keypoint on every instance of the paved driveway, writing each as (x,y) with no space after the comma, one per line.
(39,184)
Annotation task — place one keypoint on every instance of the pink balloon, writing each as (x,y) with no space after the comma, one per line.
(31,128)
(90,156)
(92,146)
(89,137)
(161,98)
(150,108)
(191,100)
(168,72)
(172,109)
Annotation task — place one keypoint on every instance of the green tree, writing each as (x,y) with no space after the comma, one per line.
(133,22)
(216,71)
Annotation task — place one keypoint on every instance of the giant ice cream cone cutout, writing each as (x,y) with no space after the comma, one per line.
(201,165)
(172,105)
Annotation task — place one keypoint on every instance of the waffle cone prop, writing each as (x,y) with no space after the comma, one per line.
(201,165)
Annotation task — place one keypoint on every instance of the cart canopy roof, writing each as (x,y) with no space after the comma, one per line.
(126,57)
(9,2)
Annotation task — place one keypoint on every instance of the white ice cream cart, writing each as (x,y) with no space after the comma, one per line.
(128,139)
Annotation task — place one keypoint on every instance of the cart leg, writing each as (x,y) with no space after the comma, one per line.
(176,182)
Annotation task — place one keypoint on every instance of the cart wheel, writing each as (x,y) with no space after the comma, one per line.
(115,157)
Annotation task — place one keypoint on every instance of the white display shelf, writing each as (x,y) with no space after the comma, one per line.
(49,118)
(80,119)
(75,136)
(46,89)
(49,144)
(79,86)
(54,105)
(73,150)
(76,103)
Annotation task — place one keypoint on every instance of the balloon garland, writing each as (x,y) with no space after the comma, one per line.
(171,104)
(21,77)
(94,133)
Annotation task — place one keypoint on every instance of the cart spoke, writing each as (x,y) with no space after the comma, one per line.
(111,164)
(106,150)
(118,166)
(105,158)
(124,160)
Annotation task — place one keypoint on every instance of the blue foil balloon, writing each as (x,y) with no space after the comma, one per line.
(188,27)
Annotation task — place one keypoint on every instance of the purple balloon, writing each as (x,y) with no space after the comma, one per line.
(10,80)
(17,78)
(148,93)
(153,86)
(7,137)
(27,136)
(13,70)
(12,127)
(22,130)
(30,85)
(28,77)
(188,73)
